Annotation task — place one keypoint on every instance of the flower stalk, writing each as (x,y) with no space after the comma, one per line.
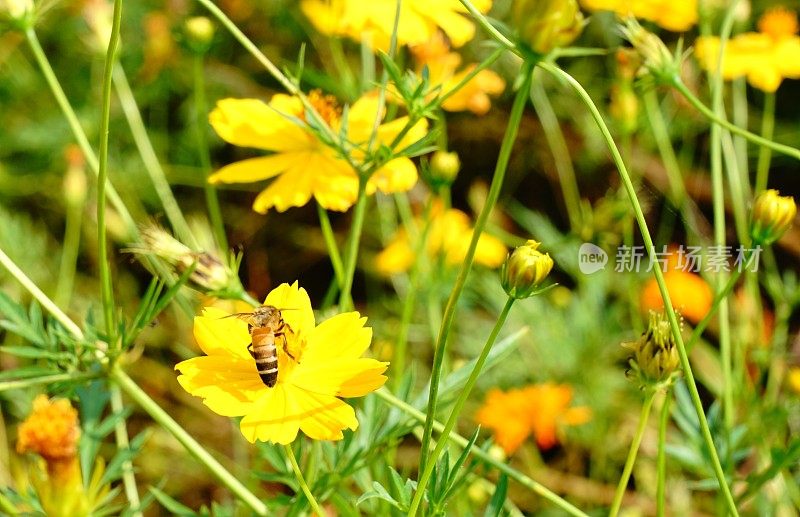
(302,481)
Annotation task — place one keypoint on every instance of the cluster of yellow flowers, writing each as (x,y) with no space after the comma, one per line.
(671,15)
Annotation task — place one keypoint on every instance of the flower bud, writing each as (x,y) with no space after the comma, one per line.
(524,269)
(772,216)
(17,11)
(444,167)
(199,33)
(543,25)
(655,355)
(656,57)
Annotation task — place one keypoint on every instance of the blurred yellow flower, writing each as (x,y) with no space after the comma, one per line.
(765,57)
(443,72)
(419,20)
(449,235)
(301,164)
(794,379)
(536,410)
(672,15)
(323,363)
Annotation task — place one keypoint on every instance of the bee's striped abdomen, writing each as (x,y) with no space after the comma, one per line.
(265,354)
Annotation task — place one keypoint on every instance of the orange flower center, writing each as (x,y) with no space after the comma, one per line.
(778,22)
(326,105)
(51,430)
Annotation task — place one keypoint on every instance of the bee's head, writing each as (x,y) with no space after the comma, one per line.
(265,315)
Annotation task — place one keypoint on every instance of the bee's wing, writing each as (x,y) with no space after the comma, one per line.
(241,315)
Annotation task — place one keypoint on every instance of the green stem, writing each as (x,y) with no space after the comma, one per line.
(560,152)
(484,456)
(121,436)
(456,410)
(665,149)
(491,199)
(330,244)
(767,131)
(77,131)
(201,119)
(634,450)
(710,115)
(301,481)
(102,175)
(190,444)
(345,299)
(46,379)
(149,157)
(659,275)
(42,298)
(661,462)
(69,253)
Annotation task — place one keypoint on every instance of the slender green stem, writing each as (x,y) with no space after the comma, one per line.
(740,115)
(659,275)
(721,295)
(342,66)
(491,199)
(69,251)
(560,152)
(733,128)
(102,175)
(456,410)
(42,298)
(330,244)
(302,481)
(345,299)
(661,461)
(632,452)
(665,149)
(190,444)
(75,126)
(149,158)
(46,379)
(764,153)
(201,119)
(121,436)
(484,456)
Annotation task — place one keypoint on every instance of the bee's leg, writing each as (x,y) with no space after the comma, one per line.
(250,349)
(286,346)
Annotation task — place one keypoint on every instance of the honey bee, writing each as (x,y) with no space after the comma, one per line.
(265,325)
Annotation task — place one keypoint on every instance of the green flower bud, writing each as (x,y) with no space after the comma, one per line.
(543,25)
(656,57)
(772,216)
(18,12)
(524,269)
(444,167)
(655,354)
(199,33)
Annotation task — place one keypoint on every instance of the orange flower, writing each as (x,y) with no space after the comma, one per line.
(536,410)
(689,293)
(52,432)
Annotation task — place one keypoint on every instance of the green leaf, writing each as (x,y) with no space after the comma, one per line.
(495,507)
(379,492)
(174,507)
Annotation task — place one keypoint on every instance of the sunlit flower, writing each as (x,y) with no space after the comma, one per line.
(765,57)
(445,73)
(689,293)
(374,20)
(301,164)
(449,235)
(668,14)
(318,365)
(536,410)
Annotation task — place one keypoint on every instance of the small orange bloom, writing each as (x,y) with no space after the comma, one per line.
(689,293)
(536,410)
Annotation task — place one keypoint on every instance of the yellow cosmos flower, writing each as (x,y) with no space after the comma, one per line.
(419,20)
(668,14)
(443,69)
(301,164)
(765,57)
(536,410)
(449,235)
(323,363)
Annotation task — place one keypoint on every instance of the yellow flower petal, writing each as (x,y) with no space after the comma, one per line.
(343,336)
(295,305)
(219,334)
(292,188)
(227,386)
(397,257)
(253,123)
(275,417)
(366,381)
(398,175)
(254,169)
(326,417)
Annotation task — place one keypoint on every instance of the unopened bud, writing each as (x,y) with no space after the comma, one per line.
(655,354)
(524,269)
(75,178)
(199,32)
(656,57)
(544,25)
(444,167)
(772,216)
(16,11)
